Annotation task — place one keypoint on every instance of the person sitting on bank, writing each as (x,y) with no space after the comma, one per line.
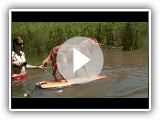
(19,62)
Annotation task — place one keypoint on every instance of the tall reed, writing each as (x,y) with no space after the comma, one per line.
(43,36)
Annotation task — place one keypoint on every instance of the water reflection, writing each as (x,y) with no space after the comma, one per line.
(130,58)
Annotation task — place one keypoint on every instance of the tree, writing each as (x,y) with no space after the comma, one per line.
(127,37)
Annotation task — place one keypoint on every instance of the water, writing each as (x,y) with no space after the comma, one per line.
(127,77)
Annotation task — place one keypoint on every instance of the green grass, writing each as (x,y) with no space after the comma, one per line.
(43,36)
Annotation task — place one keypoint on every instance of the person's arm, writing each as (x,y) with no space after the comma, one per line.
(33,67)
(26,64)
(19,64)
(16,63)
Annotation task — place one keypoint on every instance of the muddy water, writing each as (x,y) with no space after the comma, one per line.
(127,77)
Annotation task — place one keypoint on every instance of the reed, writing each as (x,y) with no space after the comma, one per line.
(41,37)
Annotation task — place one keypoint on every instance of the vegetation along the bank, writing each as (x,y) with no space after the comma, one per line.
(43,36)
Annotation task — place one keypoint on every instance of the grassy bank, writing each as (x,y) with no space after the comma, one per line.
(43,36)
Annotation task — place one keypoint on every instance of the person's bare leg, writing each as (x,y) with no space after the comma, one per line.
(76,74)
(63,78)
(54,72)
(85,69)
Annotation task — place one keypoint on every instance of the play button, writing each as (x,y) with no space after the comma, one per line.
(80,59)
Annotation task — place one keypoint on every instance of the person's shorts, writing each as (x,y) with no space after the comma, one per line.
(19,77)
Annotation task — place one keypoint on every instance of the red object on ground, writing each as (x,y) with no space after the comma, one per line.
(19,77)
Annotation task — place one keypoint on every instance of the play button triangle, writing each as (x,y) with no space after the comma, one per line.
(78,60)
